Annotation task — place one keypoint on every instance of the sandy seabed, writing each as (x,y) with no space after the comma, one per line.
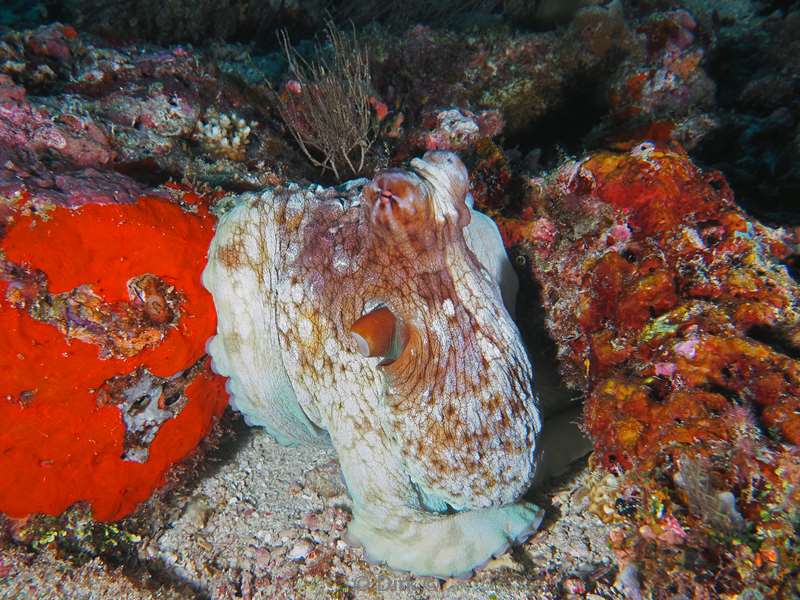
(266,521)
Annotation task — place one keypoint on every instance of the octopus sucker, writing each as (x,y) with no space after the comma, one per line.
(429,401)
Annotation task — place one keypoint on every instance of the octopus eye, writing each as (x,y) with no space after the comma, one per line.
(379,333)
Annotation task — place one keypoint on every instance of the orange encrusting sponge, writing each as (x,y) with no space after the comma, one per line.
(58,445)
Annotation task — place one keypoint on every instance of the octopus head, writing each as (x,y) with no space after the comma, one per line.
(418,211)
(458,380)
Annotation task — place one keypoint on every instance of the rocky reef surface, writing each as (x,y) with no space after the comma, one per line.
(641,159)
(673,313)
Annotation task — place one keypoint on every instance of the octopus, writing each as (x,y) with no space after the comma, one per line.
(376,317)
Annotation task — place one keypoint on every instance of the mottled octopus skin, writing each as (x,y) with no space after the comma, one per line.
(438,443)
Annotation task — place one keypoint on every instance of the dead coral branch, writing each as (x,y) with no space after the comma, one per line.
(327,104)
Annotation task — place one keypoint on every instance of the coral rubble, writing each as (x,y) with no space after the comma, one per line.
(673,312)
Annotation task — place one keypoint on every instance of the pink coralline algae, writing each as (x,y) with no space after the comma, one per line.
(27,128)
(673,313)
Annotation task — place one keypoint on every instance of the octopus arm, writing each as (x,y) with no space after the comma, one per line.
(483,238)
(239,275)
(398,525)
(444,545)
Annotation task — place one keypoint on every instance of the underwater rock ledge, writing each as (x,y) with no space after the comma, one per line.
(673,313)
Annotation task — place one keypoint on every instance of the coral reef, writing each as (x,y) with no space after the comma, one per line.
(104,325)
(613,74)
(669,307)
(673,313)
(367,315)
(524,76)
(69,102)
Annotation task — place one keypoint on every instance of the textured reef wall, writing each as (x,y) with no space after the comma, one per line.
(674,315)
(105,382)
(141,116)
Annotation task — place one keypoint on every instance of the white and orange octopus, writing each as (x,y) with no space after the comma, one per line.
(375,318)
